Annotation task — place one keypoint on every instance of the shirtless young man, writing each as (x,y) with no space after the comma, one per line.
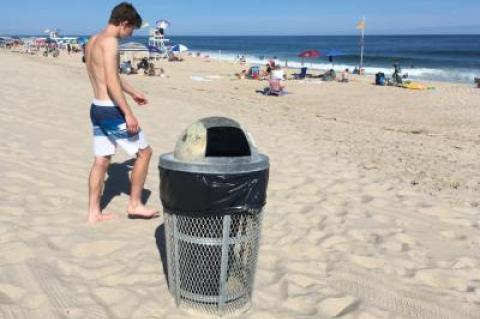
(114,123)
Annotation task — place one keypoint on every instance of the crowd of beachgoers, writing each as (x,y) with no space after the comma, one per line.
(276,72)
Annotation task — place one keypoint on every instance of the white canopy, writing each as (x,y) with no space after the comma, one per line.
(133,46)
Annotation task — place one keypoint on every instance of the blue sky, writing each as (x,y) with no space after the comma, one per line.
(249,17)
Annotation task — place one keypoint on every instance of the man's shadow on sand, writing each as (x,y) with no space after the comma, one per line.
(118,182)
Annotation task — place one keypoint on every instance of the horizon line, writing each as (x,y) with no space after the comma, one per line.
(269,35)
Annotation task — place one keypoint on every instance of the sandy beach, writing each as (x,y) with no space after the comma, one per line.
(373,207)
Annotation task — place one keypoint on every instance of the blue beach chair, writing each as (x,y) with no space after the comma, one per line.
(301,75)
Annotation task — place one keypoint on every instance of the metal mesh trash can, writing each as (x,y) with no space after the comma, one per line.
(213,189)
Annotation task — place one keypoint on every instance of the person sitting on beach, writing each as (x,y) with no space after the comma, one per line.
(275,88)
(150,70)
(272,63)
(268,69)
(174,58)
(277,73)
(143,64)
(124,68)
(133,71)
(330,75)
(113,122)
(345,76)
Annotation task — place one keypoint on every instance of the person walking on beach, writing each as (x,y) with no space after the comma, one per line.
(114,123)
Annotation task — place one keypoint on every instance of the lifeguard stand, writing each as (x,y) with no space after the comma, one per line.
(53,34)
(158,44)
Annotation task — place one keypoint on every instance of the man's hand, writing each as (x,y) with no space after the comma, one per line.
(140,98)
(132,124)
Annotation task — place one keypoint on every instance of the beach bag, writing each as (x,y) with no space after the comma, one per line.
(380,78)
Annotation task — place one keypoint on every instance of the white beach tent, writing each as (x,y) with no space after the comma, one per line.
(128,51)
(133,47)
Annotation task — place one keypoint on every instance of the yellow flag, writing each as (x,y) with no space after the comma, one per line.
(361,25)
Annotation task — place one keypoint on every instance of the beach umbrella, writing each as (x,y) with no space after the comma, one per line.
(162,24)
(333,53)
(309,54)
(179,48)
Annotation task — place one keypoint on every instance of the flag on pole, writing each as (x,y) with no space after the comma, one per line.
(361,25)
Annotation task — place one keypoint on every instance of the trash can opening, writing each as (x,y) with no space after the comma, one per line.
(226,141)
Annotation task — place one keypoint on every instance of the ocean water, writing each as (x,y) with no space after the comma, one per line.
(453,58)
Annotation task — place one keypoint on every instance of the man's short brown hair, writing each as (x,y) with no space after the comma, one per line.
(125,12)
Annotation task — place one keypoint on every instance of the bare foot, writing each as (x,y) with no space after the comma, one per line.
(95,218)
(141,212)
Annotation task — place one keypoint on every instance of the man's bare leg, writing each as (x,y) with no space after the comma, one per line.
(139,173)
(95,186)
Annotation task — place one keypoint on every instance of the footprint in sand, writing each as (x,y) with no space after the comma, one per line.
(52,143)
(336,307)
(390,293)
(267,277)
(97,248)
(302,305)
(445,279)
(65,300)
(15,252)
(10,294)
(10,311)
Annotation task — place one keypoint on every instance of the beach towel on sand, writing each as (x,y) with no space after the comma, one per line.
(416,86)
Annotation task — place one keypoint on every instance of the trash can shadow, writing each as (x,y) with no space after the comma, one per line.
(162,248)
(118,182)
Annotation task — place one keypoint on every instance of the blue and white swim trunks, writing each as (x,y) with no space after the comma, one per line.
(110,130)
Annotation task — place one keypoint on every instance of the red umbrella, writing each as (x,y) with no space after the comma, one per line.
(309,54)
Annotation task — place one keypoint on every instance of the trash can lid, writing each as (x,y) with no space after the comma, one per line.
(215,145)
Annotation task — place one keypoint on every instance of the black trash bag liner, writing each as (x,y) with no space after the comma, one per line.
(201,195)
